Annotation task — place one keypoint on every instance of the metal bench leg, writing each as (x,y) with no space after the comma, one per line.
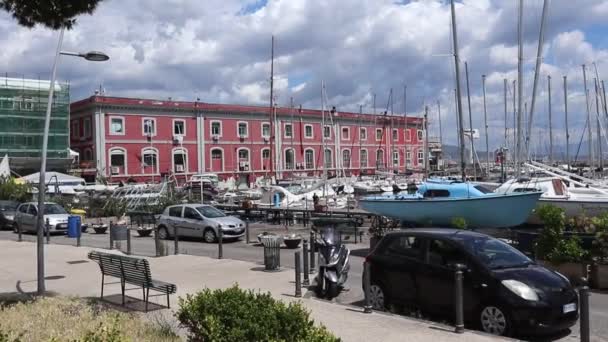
(168,304)
(122,290)
(143,292)
(102,278)
(147,297)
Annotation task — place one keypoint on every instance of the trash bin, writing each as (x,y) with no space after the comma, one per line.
(74,226)
(118,232)
(272,252)
(81,213)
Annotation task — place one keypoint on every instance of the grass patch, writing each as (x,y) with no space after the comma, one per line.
(75,319)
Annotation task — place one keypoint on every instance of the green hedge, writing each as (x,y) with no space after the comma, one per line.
(236,315)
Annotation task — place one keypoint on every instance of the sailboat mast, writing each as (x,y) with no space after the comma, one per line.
(426,142)
(324,163)
(466,72)
(550,121)
(458,95)
(520,79)
(405,124)
(439,119)
(599,132)
(590,136)
(271,108)
(485,121)
(566,117)
(514,122)
(505,96)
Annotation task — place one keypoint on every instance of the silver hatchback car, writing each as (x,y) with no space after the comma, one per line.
(199,220)
(26,214)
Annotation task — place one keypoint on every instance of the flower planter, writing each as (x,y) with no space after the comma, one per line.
(292,242)
(573,271)
(144,232)
(100,229)
(599,276)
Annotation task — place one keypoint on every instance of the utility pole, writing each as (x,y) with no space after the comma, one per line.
(590,136)
(566,117)
(466,68)
(550,121)
(520,83)
(485,121)
(458,96)
(271,108)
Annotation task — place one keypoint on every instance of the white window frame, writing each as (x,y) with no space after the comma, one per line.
(408,134)
(149,150)
(396,153)
(211,158)
(376,132)
(331,158)
(179,150)
(350,158)
(262,129)
(329,130)
(238,129)
(313,159)
(285,130)
(211,128)
(123,151)
(420,135)
(124,128)
(312,131)
(143,127)
(408,158)
(366,158)
(293,151)
(362,129)
(238,158)
(262,159)
(380,162)
(347,133)
(173,129)
(87,127)
(75,129)
(420,152)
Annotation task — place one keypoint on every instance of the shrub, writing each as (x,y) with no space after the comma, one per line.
(235,315)
(460,223)
(600,245)
(552,245)
(9,190)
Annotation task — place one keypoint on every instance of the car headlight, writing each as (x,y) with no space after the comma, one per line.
(521,289)
(10,217)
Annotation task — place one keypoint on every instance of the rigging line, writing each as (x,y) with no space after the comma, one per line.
(581,141)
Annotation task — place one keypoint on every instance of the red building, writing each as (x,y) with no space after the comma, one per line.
(144,140)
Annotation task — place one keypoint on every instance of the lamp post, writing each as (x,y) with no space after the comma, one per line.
(90,56)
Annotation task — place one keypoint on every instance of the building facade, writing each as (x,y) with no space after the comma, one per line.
(145,140)
(23,104)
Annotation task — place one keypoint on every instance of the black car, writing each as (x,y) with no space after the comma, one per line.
(504,291)
(7,213)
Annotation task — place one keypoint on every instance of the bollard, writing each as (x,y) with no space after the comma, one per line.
(78,237)
(313,250)
(367,307)
(19,233)
(458,299)
(176,240)
(583,294)
(156,241)
(220,248)
(128,241)
(247,230)
(298,280)
(111,239)
(47,227)
(306,281)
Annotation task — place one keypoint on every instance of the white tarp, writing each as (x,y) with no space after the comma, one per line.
(53,178)
(5,170)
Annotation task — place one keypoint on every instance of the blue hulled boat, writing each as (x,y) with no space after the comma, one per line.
(438,202)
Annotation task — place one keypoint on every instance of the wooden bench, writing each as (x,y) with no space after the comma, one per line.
(132,271)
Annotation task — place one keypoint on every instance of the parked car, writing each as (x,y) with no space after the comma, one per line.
(199,220)
(7,213)
(504,291)
(25,218)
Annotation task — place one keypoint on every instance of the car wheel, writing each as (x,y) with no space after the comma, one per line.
(163,233)
(377,298)
(332,290)
(209,235)
(494,320)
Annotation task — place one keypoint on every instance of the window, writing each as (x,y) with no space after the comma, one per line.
(266,154)
(266,130)
(326,132)
(149,126)
(444,254)
(243,155)
(192,214)
(405,246)
(118,160)
(31,210)
(150,160)
(87,127)
(309,158)
(363,133)
(216,154)
(345,133)
(378,134)
(408,158)
(242,130)
(346,158)
(180,160)
(363,158)
(420,134)
(420,157)
(179,127)
(379,158)
(175,211)
(430,193)
(75,129)
(396,158)
(216,128)
(308,131)
(117,126)
(23,208)
(328,159)
(288,131)
(289,159)
(408,135)
(395,135)
(88,154)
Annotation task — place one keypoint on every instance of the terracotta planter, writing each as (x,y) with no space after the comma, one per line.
(599,276)
(573,271)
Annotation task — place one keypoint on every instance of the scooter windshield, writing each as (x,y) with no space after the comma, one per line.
(330,236)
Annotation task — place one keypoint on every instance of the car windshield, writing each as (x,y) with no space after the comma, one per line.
(210,212)
(8,205)
(493,253)
(53,209)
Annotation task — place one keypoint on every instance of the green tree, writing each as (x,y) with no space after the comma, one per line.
(53,14)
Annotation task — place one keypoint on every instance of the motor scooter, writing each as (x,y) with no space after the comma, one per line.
(333,263)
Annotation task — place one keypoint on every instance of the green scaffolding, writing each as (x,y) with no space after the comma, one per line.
(23,104)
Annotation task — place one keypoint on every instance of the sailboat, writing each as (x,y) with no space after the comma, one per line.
(439,202)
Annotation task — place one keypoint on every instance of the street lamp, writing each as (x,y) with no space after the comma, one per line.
(90,56)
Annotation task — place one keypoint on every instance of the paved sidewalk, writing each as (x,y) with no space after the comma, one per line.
(70,273)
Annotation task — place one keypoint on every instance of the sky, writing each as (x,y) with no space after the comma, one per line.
(219,51)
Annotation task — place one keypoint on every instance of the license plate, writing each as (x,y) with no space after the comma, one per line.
(569,307)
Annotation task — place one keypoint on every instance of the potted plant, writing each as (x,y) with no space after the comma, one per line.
(376,232)
(292,241)
(556,251)
(599,265)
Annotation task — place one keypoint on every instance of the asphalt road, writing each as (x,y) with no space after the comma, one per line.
(253,252)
